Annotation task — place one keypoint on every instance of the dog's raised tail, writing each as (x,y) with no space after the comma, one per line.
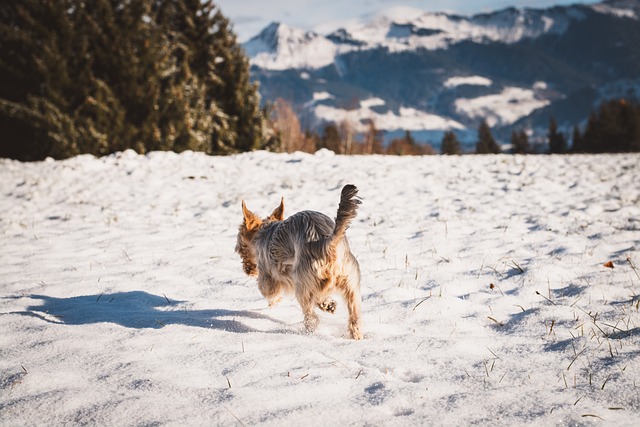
(347,208)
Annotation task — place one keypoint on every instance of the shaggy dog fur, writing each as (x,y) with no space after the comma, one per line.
(306,254)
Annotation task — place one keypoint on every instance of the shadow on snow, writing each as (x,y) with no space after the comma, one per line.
(137,309)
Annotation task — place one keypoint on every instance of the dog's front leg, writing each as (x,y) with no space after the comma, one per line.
(270,289)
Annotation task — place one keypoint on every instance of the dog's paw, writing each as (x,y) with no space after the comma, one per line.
(328,305)
(274,301)
(354,331)
(311,322)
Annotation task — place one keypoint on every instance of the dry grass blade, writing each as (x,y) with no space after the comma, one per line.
(574,359)
(493,286)
(494,355)
(423,300)
(486,368)
(605,382)
(494,320)
(538,293)
(592,416)
(233,415)
(517,267)
(633,267)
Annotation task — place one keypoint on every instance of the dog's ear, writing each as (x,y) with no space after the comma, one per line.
(251,220)
(278,213)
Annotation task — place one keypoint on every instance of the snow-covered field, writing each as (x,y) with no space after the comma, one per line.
(486,299)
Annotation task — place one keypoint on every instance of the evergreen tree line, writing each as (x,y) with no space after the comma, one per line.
(614,127)
(101,76)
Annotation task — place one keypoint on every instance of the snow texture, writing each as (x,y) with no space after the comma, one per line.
(486,299)
(467,80)
(404,118)
(503,108)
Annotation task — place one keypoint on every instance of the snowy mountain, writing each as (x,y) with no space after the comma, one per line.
(280,47)
(431,72)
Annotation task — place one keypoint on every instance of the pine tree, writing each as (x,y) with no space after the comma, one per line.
(486,144)
(106,75)
(520,142)
(619,121)
(330,139)
(450,144)
(36,89)
(614,128)
(409,139)
(590,141)
(577,144)
(557,141)
(238,98)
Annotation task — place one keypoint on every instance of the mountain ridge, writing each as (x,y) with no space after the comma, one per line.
(531,64)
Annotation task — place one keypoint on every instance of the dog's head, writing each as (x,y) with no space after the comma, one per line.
(251,224)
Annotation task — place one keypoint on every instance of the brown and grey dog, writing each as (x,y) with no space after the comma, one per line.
(306,254)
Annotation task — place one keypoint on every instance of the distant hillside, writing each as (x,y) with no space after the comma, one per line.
(432,72)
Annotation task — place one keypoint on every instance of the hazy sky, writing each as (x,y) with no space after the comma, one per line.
(250,16)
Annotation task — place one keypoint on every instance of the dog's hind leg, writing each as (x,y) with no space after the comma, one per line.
(351,294)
